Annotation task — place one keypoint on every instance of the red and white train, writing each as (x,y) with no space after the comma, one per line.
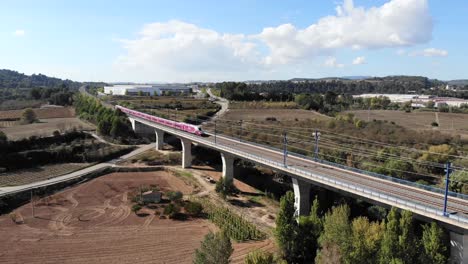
(166,122)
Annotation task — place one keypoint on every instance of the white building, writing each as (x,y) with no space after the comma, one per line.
(146,89)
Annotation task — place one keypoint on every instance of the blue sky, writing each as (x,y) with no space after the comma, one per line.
(169,41)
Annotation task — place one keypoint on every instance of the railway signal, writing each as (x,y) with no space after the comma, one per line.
(448,170)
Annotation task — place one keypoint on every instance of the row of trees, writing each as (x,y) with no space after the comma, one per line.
(110,122)
(14,79)
(335,238)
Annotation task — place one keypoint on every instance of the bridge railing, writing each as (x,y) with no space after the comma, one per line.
(417,207)
(369,173)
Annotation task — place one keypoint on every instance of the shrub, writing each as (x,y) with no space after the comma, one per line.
(194,208)
(28,116)
(175,196)
(171,210)
(434,124)
(259,257)
(136,208)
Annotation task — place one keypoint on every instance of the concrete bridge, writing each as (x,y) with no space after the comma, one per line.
(425,204)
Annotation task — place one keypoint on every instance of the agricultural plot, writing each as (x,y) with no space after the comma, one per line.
(41,113)
(46,172)
(46,127)
(93,223)
(452,123)
(260,114)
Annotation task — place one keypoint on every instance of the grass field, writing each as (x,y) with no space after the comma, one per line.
(93,223)
(452,123)
(26,176)
(45,127)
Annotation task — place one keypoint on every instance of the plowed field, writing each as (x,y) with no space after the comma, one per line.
(93,223)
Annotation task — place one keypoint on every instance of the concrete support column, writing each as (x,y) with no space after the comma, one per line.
(132,121)
(458,248)
(159,139)
(301,196)
(186,153)
(228,166)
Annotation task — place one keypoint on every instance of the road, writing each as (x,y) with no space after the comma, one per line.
(76,174)
(224,103)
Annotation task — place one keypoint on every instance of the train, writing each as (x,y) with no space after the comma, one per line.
(193,129)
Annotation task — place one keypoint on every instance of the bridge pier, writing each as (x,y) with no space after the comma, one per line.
(228,166)
(132,121)
(301,196)
(186,153)
(159,139)
(458,248)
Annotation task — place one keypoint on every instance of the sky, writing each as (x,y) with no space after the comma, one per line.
(187,41)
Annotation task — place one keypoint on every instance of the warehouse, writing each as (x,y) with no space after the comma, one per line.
(146,90)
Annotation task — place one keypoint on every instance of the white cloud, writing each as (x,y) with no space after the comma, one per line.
(394,24)
(359,60)
(332,63)
(19,33)
(179,50)
(176,50)
(430,52)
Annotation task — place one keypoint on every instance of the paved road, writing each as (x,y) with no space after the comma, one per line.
(76,174)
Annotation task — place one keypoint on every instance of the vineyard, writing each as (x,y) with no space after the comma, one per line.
(235,226)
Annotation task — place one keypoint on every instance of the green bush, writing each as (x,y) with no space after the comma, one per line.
(175,196)
(171,210)
(136,208)
(194,208)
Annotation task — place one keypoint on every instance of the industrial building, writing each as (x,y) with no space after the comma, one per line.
(156,90)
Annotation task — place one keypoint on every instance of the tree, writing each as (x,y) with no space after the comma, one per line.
(407,243)
(389,246)
(215,249)
(309,229)
(398,168)
(286,226)
(259,257)
(171,210)
(433,242)
(366,238)
(28,116)
(336,232)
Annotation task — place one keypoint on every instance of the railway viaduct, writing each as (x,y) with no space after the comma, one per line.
(426,204)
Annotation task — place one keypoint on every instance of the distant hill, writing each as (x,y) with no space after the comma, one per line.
(458,82)
(14,79)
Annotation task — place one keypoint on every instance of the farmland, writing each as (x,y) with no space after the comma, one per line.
(452,123)
(25,176)
(41,113)
(93,223)
(45,127)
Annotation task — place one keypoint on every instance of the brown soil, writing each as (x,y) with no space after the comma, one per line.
(93,223)
(45,127)
(279,114)
(41,113)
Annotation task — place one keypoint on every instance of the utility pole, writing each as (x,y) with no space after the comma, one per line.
(316,135)
(368,113)
(285,148)
(215,131)
(240,132)
(448,170)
